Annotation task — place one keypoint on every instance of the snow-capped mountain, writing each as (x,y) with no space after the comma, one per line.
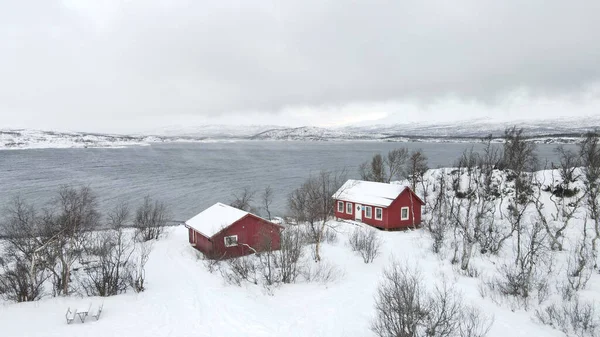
(565,130)
(36,139)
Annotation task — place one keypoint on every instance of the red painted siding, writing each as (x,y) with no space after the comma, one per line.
(394,220)
(391,217)
(253,233)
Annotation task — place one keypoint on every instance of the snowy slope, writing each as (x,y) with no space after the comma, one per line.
(184,299)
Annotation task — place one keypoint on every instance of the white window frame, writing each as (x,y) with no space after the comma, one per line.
(380,209)
(368,212)
(340,209)
(349,207)
(230,236)
(407,213)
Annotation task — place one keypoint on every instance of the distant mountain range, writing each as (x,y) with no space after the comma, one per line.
(565,130)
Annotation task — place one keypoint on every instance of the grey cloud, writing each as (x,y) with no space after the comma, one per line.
(133,58)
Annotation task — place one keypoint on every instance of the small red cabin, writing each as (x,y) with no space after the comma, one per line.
(385,206)
(222,232)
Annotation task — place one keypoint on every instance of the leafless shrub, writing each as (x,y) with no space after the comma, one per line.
(240,270)
(142,256)
(474,324)
(366,242)
(322,272)
(211,264)
(529,276)
(574,318)
(150,219)
(330,235)
(17,282)
(115,260)
(404,308)
(288,258)
(108,272)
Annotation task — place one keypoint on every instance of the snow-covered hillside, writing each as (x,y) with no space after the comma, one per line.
(550,132)
(184,299)
(36,139)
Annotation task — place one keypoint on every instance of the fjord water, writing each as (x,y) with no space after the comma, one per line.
(192,176)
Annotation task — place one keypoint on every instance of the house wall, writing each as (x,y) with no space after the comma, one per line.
(344,215)
(251,231)
(372,221)
(393,219)
(200,242)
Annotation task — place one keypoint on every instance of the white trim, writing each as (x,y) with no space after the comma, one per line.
(230,236)
(381,217)
(349,207)
(407,213)
(340,203)
(368,212)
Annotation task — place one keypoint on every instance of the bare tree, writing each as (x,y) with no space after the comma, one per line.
(417,166)
(244,200)
(378,169)
(72,214)
(557,221)
(438,223)
(384,169)
(530,273)
(17,283)
(109,270)
(567,166)
(580,265)
(150,219)
(521,159)
(312,203)
(396,163)
(267,200)
(590,157)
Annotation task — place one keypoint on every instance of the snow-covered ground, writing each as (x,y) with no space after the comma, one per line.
(184,299)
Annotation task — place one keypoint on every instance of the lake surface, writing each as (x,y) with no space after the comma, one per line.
(190,177)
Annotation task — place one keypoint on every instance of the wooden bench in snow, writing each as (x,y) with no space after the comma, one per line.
(83,313)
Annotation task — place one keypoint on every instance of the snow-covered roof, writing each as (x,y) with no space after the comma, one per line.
(369,192)
(213,219)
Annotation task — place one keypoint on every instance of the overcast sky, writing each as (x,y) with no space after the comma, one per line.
(130,65)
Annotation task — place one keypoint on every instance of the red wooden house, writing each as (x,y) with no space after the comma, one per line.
(385,206)
(222,231)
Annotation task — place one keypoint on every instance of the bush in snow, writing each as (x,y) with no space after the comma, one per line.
(574,318)
(366,242)
(405,308)
(528,275)
(116,258)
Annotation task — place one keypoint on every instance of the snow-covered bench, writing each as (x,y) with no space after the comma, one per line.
(83,313)
(96,313)
(70,315)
